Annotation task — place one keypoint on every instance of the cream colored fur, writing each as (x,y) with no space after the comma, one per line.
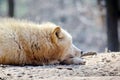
(24,42)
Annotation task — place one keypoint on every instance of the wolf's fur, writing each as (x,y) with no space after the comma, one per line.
(24,42)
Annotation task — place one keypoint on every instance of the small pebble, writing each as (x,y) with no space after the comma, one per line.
(2,78)
(8,74)
(30,76)
(108,60)
(19,76)
(69,68)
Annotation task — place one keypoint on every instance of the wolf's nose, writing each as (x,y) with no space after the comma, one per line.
(81,52)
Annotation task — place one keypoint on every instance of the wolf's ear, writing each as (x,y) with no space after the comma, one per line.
(56,34)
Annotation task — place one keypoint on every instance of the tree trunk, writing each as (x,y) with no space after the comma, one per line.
(10,8)
(112,24)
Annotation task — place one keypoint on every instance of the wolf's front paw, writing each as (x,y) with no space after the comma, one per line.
(77,60)
(74,60)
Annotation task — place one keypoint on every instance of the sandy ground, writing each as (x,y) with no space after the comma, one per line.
(98,67)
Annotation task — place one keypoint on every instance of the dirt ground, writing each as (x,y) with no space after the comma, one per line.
(103,66)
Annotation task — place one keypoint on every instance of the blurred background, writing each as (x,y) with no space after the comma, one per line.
(85,20)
